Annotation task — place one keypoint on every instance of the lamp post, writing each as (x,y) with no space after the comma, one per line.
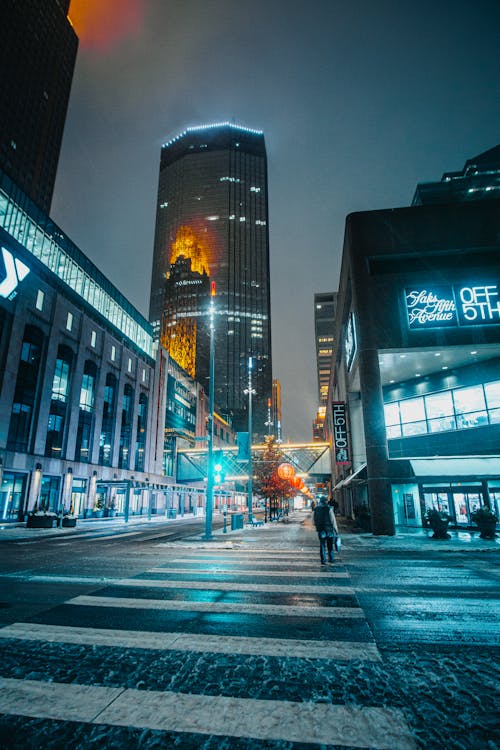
(249,391)
(210,460)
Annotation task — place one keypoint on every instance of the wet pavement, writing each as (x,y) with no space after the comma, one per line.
(247,642)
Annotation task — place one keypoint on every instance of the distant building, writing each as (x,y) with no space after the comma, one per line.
(276,410)
(478,180)
(37,57)
(324,326)
(212,209)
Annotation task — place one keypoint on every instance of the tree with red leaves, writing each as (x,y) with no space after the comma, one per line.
(266,481)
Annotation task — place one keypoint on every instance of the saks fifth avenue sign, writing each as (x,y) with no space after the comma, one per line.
(340,432)
(445,306)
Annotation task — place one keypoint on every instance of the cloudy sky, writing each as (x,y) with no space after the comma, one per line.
(358,99)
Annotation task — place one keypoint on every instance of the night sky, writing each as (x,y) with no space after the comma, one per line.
(358,99)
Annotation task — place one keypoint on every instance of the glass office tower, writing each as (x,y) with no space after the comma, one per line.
(37,57)
(212,209)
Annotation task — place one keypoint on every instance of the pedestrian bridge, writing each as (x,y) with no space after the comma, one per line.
(306,458)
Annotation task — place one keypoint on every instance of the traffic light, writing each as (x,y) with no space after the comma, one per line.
(218,471)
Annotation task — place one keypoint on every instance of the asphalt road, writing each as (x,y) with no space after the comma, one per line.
(248,639)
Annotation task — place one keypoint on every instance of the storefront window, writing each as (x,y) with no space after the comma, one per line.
(11,495)
(455,409)
(413,416)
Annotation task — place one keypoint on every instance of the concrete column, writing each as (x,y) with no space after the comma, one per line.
(92,490)
(66,490)
(35,485)
(377,455)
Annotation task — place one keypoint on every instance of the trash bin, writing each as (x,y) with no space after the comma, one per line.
(236,521)
(171,513)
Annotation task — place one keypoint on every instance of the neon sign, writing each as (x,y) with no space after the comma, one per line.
(446,306)
(340,433)
(15,271)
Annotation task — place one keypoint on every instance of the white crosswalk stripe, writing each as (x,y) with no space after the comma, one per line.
(270,583)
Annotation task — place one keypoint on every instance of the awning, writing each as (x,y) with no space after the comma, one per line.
(356,475)
(456,467)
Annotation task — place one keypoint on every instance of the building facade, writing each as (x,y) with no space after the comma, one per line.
(212,210)
(37,57)
(414,406)
(478,180)
(88,406)
(324,326)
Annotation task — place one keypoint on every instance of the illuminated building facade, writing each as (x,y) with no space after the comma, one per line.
(276,409)
(184,329)
(37,56)
(212,209)
(88,408)
(414,407)
(478,180)
(324,324)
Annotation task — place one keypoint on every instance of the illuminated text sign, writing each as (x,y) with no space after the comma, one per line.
(340,432)
(445,306)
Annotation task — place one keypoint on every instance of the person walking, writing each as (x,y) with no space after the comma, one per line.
(326,526)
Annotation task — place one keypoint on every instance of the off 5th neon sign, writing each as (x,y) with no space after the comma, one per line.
(446,306)
(15,271)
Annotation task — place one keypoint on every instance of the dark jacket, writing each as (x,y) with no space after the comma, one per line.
(322,517)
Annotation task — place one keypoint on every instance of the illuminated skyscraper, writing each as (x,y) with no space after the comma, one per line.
(37,57)
(324,325)
(212,210)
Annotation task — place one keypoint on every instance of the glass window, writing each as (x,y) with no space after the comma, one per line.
(39,300)
(69,322)
(391,412)
(393,431)
(468,399)
(414,428)
(58,405)
(492,391)
(412,409)
(442,423)
(113,353)
(439,405)
(93,338)
(108,418)
(472,419)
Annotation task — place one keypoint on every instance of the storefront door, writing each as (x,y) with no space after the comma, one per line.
(465,503)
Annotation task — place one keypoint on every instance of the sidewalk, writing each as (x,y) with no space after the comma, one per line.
(414,540)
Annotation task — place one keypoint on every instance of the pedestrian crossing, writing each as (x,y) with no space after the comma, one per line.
(237,642)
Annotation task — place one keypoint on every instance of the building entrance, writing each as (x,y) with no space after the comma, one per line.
(458,502)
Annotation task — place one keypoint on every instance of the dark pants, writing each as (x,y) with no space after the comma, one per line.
(326,546)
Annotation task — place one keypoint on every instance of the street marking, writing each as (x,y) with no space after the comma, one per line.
(220,570)
(288,721)
(293,648)
(227,586)
(255,609)
(270,562)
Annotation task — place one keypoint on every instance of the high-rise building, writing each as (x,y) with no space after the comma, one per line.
(37,57)
(478,180)
(324,324)
(212,209)
(276,409)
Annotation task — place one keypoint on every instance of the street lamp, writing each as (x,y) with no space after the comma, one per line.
(210,460)
(249,391)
